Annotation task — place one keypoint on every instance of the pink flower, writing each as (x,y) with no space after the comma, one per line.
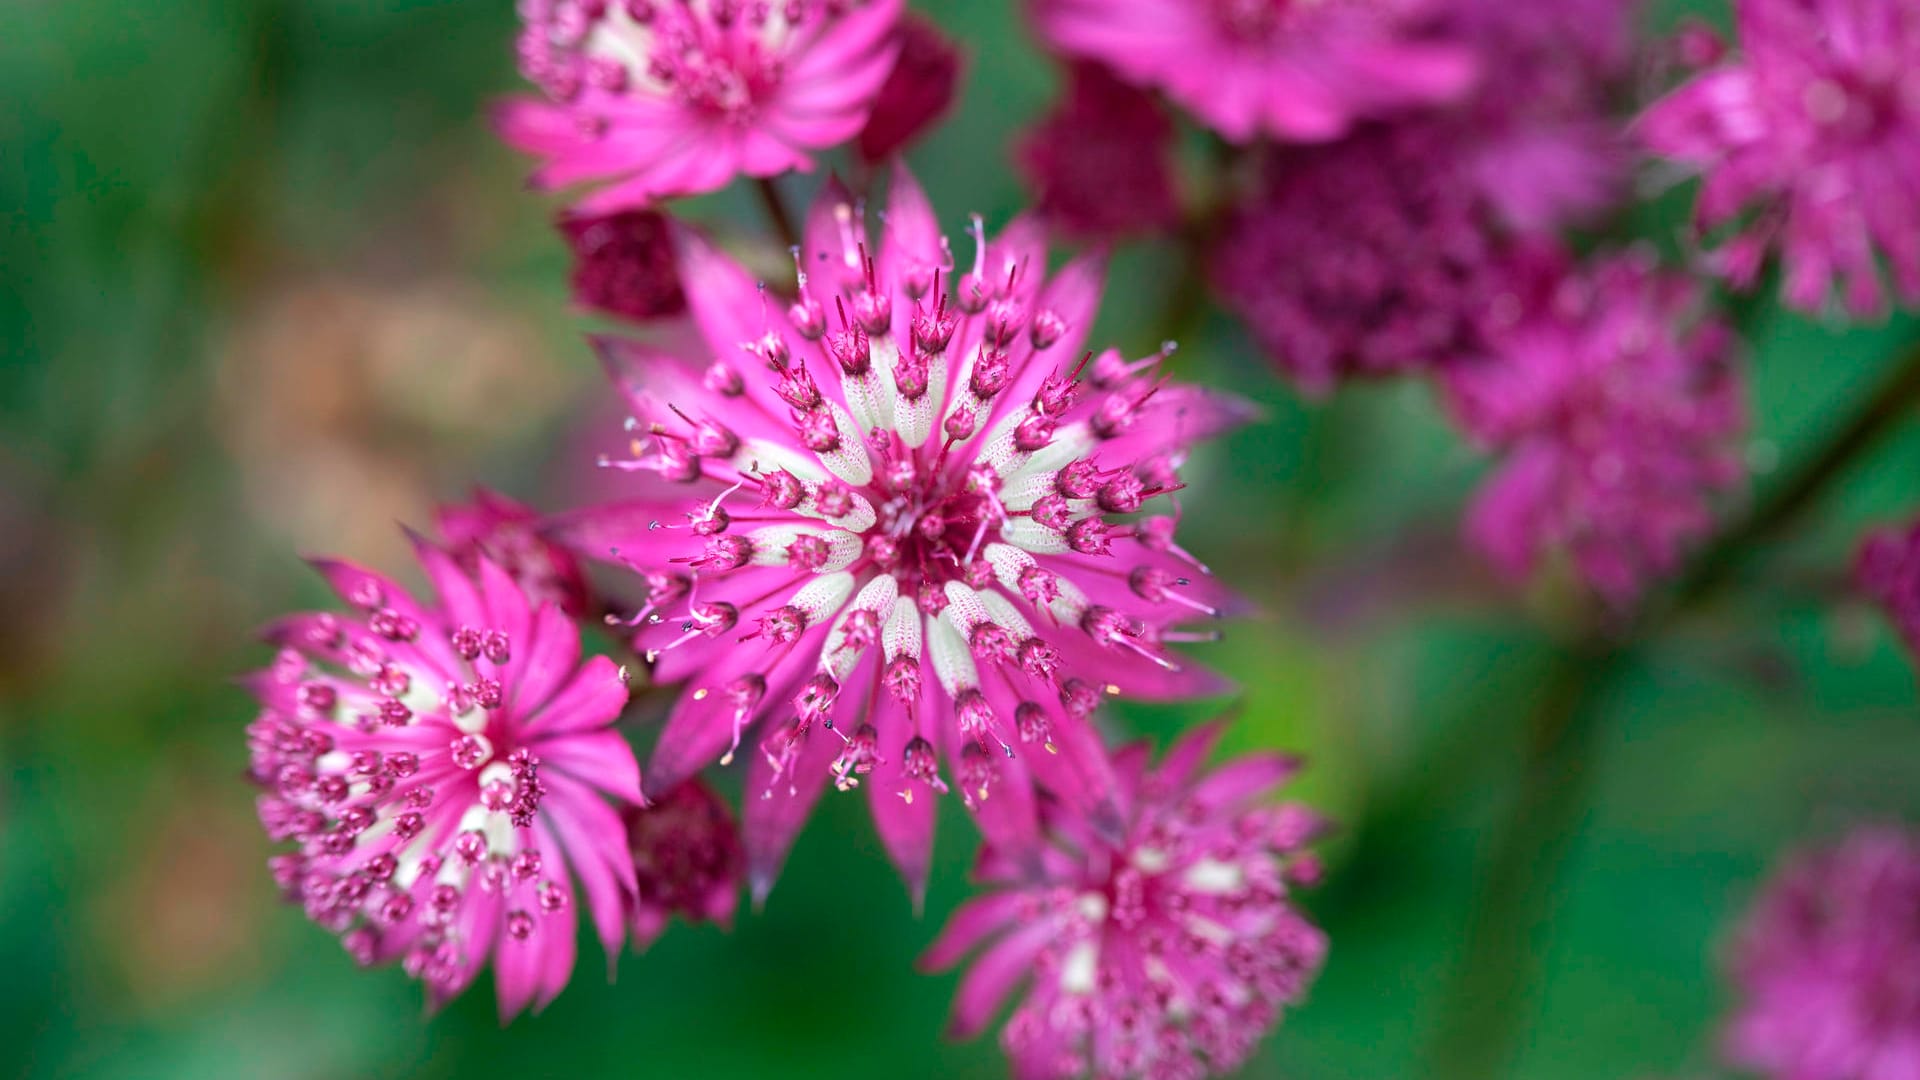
(1361,259)
(495,527)
(1101,162)
(660,98)
(1808,139)
(1377,255)
(901,521)
(1165,949)
(1248,68)
(1827,965)
(686,856)
(1889,572)
(443,772)
(623,264)
(1618,408)
(917,94)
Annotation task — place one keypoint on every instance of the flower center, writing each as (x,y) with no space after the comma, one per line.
(719,58)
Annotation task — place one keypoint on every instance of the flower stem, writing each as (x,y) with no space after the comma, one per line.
(777,214)
(1510,926)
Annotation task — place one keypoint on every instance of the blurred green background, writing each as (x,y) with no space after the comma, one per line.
(268,286)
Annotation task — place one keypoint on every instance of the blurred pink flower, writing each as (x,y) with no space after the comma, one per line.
(1618,406)
(1377,254)
(495,527)
(1365,258)
(1889,571)
(1826,965)
(657,98)
(686,857)
(1101,162)
(1167,949)
(1253,68)
(942,476)
(1808,140)
(444,772)
(623,264)
(921,88)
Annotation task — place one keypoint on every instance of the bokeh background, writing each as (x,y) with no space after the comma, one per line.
(268,286)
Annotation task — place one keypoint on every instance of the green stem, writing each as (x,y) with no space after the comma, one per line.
(1511,922)
(777,214)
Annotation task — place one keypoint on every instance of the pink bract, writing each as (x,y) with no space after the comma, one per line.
(446,773)
(1253,68)
(901,522)
(658,98)
(1808,142)
(1165,949)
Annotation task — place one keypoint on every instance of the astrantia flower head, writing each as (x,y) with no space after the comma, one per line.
(1808,140)
(1101,162)
(1378,254)
(1251,68)
(660,98)
(444,773)
(623,264)
(686,859)
(495,527)
(1365,258)
(1165,950)
(1827,965)
(1618,408)
(902,532)
(1889,571)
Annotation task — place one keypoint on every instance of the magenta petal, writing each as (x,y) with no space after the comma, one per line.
(1244,779)
(517,971)
(903,809)
(1187,754)
(601,758)
(557,936)
(455,588)
(551,656)
(972,923)
(993,976)
(777,806)
(596,848)
(593,699)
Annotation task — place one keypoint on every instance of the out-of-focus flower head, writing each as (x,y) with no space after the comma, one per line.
(1827,965)
(1165,950)
(1617,406)
(1253,68)
(623,264)
(444,773)
(917,94)
(495,527)
(686,858)
(1889,572)
(901,522)
(659,98)
(1377,254)
(1100,163)
(1807,138)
